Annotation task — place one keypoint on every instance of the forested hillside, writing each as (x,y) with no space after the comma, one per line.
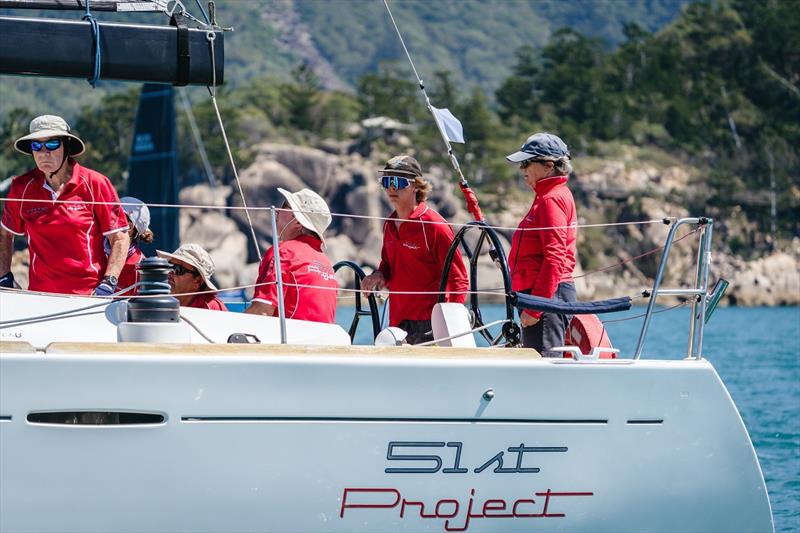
(343,39)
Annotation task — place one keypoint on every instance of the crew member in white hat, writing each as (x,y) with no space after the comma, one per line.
(66,212)
(138,216)
(309,291)
(190,279)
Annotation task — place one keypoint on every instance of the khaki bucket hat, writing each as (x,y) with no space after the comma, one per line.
(195,255)
(310,210)
(47,127)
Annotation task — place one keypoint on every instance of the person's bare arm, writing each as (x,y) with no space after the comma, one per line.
(260,308)
(119,243)
(6,250)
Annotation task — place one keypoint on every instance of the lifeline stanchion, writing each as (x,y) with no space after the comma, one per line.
(278,278)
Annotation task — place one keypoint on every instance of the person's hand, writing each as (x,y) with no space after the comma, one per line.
(107,287)
(7,280)
(373,282)
(527,320)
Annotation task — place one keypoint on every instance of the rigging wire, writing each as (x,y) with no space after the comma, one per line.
(212,90)
(60,314)
(198,140)
(343,215)
(631,259)
(203,11)
(676,306)
(469,194)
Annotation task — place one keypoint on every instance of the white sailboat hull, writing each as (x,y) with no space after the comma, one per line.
(301,438)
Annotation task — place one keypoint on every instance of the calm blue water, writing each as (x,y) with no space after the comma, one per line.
(756,351)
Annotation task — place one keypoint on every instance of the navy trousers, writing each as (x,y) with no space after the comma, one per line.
(549,331)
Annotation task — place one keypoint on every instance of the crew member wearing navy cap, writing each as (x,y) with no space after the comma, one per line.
(543,249)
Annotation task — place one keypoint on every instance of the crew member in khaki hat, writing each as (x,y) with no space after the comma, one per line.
(416,240)
(67,213)
(190,279)
(309,290)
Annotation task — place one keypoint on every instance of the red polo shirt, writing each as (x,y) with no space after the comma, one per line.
(412,259)
(310,287)
(65,239)
(541,259)
(129,276)
(208,300)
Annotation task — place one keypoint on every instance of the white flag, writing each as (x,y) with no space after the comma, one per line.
(449,124)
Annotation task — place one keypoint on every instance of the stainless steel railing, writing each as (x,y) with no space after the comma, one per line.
(699,291)
(278,277)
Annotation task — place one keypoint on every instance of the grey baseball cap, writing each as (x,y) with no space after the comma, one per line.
(137,212)
(544,146)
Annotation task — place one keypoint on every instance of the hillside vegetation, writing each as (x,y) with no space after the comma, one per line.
(716,90)
(343,39)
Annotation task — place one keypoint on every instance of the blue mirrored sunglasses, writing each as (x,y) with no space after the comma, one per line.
(398,182)
(52,144)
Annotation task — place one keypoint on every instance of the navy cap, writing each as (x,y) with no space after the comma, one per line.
(541,146)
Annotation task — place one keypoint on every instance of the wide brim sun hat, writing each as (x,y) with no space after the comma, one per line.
(138,213)
(48,127)
(310,210)
(195,255)
(544,146)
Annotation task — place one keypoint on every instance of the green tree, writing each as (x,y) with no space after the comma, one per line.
(518,95)
(107,131)
(388,94)
(15,125)
(300,98)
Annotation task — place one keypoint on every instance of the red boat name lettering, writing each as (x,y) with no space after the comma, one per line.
(448,509)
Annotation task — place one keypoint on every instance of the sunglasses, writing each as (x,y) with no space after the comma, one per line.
(180,270)
(528,162)
(398,182)
(52,144)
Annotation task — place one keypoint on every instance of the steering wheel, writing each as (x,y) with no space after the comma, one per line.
(510,330)
(359,309)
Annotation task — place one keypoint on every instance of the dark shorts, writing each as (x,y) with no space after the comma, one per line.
(418,330)
(549,331)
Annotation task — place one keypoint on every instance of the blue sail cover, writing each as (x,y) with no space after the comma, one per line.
(153,165)
(546,305)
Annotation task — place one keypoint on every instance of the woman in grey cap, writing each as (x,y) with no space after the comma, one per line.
(138,215)
(66,212)
(543,248)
